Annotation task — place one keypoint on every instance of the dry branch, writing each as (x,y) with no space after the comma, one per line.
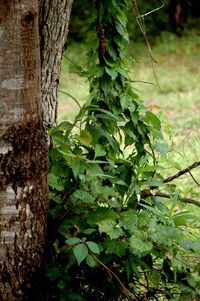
(148,193)
(182,172)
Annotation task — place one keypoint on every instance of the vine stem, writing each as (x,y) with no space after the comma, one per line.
(76,101)
(110,273)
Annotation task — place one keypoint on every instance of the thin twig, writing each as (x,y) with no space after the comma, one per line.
(141,24)
(54,48)
(76,101)
(153,11)
(143,82)
(148,193)
(182,172)
(110,272)
(193,178)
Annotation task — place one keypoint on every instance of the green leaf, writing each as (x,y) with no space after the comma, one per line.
(65,125)
(89,231)
(121,19)
(128,220)
(54,273)
(196,245)
(90,261)
(122,72)
(191,280)
(61,284)
(111,228)
(154,277)
(73,241)
(120,28)
(55,197)
(60,169)
(150,168)
(78,70)
(134,267)
(152,183)
(94,170)
(113,116)
(80,253)
(125,101)
(106,84)
(101,214)
(118,247)
(119,41)
(113,74)
(99,151)
(82,196)
(96,71)
(111,51)
(120,182)
(54,182)
(78,168)
(162,148)
(93,247)
(139,243)
(153,120)
(85,138)
(143,219)
(154,211)
(165,235)
(182,218)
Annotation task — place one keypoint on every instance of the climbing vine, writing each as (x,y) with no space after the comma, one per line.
(114,233)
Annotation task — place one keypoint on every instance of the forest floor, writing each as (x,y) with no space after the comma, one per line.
(178,74)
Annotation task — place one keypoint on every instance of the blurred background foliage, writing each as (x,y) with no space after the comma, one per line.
(83,13)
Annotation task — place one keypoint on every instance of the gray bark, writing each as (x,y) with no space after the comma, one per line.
(23,165)
(54,22)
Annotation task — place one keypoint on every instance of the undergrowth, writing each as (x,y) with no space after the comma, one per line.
(118,229)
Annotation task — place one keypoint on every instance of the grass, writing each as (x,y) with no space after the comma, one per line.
(178,73)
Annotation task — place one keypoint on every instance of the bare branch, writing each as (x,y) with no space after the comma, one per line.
(148,193)
(182,172)
(141,23)
(153,11)
(143,82)
(193,178)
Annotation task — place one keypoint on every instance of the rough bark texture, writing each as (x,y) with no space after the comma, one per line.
(23,166)
(54,22)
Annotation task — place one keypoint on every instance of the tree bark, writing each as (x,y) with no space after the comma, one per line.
(54,23)
(23,165)
(178,15)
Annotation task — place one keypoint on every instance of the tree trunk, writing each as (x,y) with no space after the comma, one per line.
(23,165)
(178,15)
(54,22)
